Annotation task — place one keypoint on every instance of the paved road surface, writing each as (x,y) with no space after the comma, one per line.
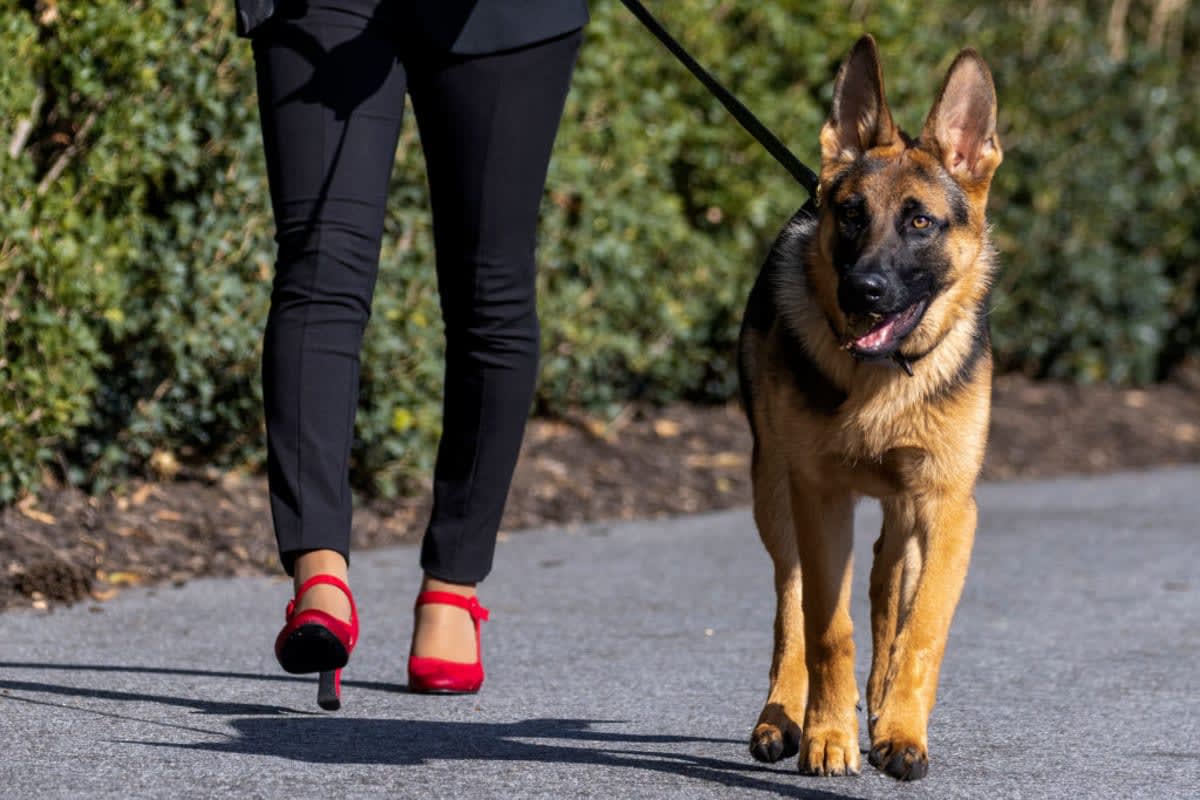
(630,661)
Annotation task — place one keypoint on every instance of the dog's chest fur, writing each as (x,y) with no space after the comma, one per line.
(866,441)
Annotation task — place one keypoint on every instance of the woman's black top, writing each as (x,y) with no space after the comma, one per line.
(464,27)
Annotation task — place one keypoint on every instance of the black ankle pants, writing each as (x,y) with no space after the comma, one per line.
(332,75)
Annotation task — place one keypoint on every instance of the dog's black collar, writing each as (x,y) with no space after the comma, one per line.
(899,359)
(904,362)
(907,367)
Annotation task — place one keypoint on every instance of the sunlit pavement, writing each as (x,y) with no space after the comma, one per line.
(630,660)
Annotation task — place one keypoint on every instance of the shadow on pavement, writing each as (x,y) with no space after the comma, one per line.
(198,673)
(398,742)
(328,739)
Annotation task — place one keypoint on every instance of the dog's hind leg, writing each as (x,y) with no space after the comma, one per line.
(824,522)
(777,734)
(944,530)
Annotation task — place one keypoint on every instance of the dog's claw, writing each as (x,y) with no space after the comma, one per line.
(834,754)
(769,744)
(908,764)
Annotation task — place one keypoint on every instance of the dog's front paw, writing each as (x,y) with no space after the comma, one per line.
(829,752)
(904,761)
(770,743)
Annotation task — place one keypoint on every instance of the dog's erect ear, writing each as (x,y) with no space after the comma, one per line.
(859,119)
(961,128)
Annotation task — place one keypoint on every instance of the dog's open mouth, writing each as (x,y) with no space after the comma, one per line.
(878,335)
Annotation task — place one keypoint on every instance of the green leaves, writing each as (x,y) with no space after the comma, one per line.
(135,228)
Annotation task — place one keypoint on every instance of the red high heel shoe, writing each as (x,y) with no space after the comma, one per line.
(316,641)
(438,676)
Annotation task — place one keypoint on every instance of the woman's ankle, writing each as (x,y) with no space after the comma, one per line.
(444,631)
(329,599)
(431,584)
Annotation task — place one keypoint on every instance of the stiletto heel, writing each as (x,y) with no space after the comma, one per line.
(329,690)
(438,676)
(316,641)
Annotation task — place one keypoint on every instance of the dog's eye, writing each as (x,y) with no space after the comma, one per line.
(921,222)
(852,213)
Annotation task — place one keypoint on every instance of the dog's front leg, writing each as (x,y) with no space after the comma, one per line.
(777,733)
(943,528)
(824,525)
(894,575)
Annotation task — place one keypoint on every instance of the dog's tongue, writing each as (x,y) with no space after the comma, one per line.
(879,337)
(886,332)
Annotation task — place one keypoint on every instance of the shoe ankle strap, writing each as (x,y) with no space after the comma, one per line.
(328,580)
(469,604)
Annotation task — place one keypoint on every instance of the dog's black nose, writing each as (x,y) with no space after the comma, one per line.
(863,292)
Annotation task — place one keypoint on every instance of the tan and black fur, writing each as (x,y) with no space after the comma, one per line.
(866,370)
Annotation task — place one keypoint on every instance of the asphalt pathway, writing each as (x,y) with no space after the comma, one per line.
(630,660)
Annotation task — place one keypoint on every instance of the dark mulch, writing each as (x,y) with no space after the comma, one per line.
(64,547)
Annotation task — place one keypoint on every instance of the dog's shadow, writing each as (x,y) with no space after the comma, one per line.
(315,738)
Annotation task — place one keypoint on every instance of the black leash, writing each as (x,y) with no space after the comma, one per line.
(805,176)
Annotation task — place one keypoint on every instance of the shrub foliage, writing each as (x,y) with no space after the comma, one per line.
(135,233)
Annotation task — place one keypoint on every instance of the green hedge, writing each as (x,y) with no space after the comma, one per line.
(135,249)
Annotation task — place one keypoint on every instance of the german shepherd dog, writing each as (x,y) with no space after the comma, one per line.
(865,367)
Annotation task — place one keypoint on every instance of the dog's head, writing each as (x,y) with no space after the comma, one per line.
(902,232)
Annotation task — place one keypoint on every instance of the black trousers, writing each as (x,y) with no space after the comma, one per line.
(332,75)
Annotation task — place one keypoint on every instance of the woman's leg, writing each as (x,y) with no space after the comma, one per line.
(331,95)
(487,127)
